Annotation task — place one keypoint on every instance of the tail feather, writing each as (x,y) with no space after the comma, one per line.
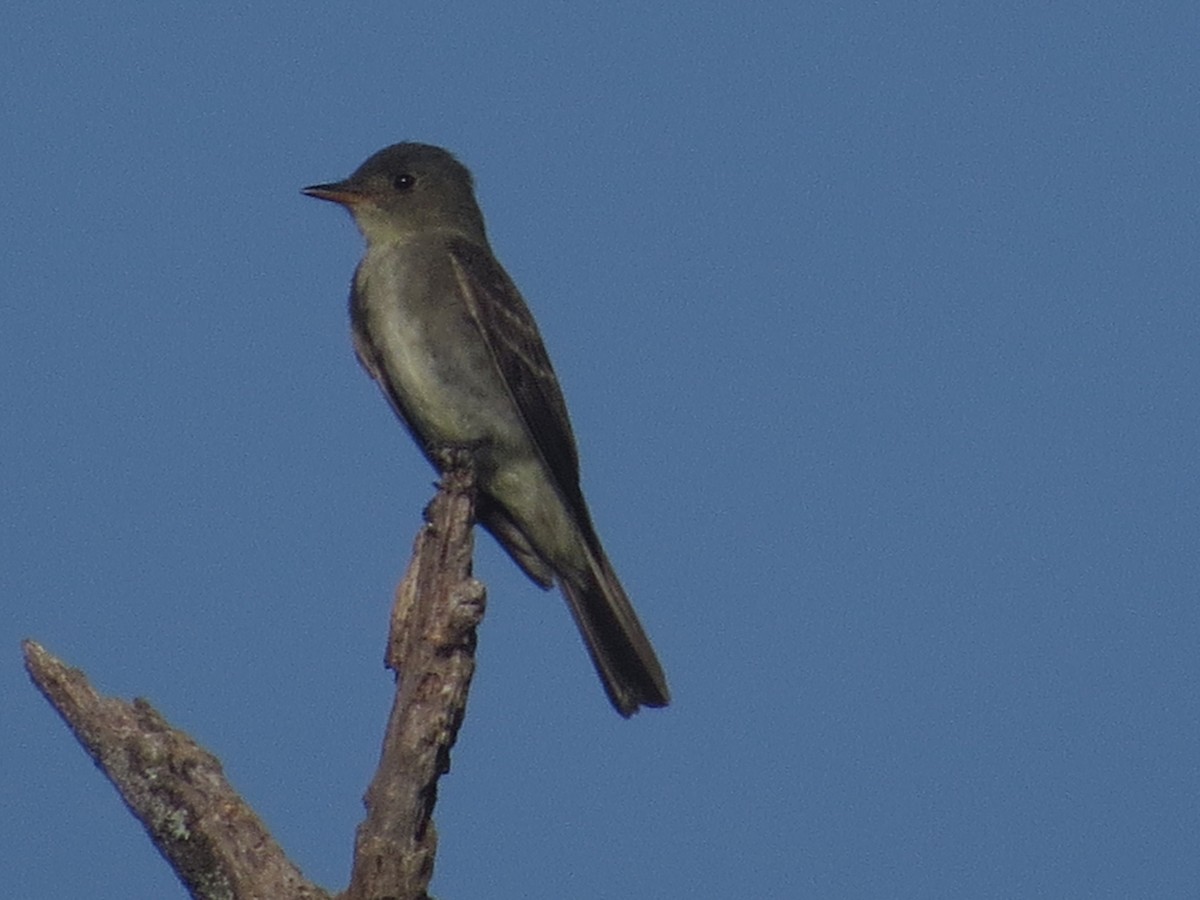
(615,639)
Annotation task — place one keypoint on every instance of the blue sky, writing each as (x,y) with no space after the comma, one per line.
(880,335)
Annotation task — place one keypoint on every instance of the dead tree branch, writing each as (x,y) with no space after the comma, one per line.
(215,843)
(213,840)
(431,649)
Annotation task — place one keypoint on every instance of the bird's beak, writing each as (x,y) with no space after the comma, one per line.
(337,192)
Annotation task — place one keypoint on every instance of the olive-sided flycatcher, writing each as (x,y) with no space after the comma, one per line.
(444,332)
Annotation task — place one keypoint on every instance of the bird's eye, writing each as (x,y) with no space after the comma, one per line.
(403,182)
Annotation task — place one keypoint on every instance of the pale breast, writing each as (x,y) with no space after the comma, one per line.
(409,308)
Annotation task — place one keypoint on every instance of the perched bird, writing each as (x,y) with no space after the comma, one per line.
(444,332)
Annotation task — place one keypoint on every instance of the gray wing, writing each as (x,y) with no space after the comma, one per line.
(512,337)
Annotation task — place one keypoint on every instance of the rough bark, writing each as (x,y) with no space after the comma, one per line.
(215,843)
(431,649)
(209,835)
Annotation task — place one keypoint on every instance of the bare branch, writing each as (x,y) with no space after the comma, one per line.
(176,789)
(431,649)
(210,836)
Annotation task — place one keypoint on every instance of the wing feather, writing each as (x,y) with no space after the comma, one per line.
(516,346)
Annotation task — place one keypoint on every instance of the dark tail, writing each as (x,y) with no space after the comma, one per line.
(615,639)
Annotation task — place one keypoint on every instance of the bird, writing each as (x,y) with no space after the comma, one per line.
(444,332)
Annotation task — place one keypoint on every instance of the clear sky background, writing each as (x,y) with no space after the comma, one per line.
(880,335)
